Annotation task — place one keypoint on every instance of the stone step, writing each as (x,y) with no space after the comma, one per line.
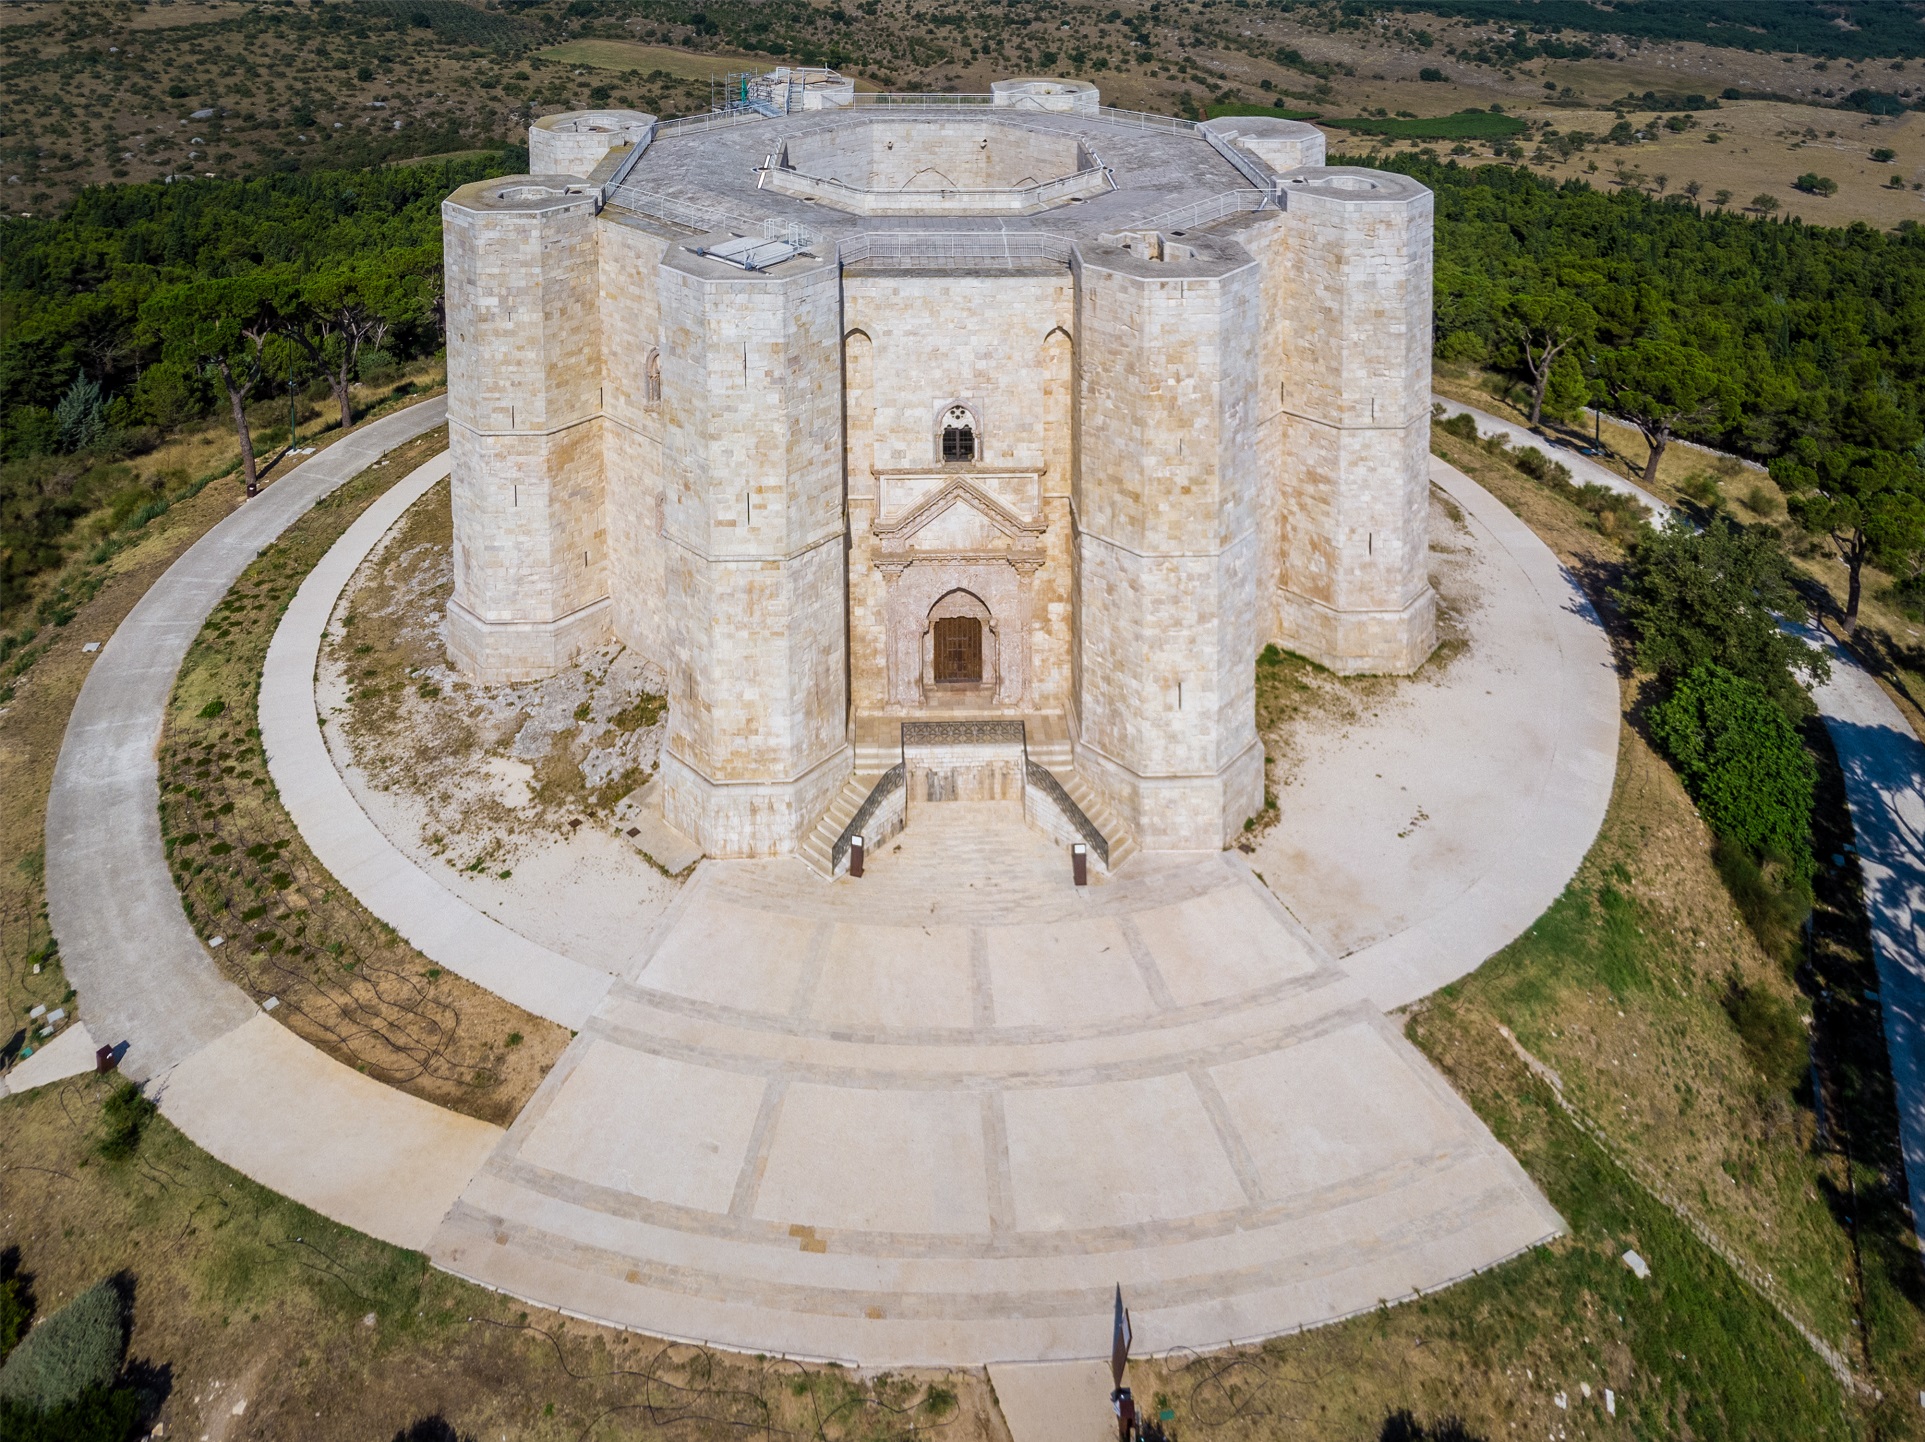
(1122,844)
(818,847)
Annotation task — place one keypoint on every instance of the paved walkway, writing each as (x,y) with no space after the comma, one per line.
(933,1116)
(1884,766)
(1428,832)
(143,975)
(1583,468)
(343,838)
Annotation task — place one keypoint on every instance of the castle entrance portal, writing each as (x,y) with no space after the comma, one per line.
(959,651)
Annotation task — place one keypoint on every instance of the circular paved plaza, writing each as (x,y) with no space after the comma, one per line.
(936,1114)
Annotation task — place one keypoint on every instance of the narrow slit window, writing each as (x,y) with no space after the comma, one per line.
(652,379)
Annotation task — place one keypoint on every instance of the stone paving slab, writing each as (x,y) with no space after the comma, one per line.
(294,1119)
(1247,1147)
(1055,1401)
(69,1054)
(432,919)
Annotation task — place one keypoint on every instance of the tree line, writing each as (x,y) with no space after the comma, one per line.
(141,308)
(1802,347)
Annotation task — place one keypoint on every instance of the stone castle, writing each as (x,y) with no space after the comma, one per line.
(852,410)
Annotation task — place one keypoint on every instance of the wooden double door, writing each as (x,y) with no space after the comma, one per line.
(959,650)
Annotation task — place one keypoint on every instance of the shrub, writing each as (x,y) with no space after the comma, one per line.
(1742,762)
(1432,74)
(16,1312)
(1463,425)
(1815,184)
(1540,467)
(124,1117)
(100,1414)
(75,1349)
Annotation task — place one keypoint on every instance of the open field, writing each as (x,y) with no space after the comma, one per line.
(111,92)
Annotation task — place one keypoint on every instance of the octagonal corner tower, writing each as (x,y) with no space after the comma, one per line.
(1009,414)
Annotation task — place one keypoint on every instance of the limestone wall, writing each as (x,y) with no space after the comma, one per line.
(998,345)
(1350,309)
(574,143)
(752,445)
(524,405)
(631,258)
(1168,511)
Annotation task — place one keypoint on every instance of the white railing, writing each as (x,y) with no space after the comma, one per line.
(1202,212)
(977,249)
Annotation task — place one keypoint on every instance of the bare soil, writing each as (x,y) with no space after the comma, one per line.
(487,769)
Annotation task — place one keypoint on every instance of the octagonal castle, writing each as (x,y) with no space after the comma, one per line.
(852,410)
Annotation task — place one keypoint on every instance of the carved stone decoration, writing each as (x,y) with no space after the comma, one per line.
(959,537)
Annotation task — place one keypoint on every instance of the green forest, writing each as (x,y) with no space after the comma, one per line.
(141,308)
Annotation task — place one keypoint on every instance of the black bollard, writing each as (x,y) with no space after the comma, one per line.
(855,857)
(1079,863)
(104,1060)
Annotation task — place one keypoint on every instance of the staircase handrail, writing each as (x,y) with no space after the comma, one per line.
(1045,781)
(886,786)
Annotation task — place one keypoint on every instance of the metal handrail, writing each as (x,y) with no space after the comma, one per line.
(886,786)
(999,248)
(1202,212)
(1045,781)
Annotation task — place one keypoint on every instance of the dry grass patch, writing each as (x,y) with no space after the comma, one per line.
(343,981)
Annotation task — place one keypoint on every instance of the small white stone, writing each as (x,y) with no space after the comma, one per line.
(1639,1267)
(270,1003)
(58,1014)
(217,941)
(1611,1401)
(91,647)
(1563,1402)
(36,1013)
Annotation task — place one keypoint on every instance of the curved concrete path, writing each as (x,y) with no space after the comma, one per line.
(238,1083)
(1583,468)
(1884,766)
(1415,851)
(437,923)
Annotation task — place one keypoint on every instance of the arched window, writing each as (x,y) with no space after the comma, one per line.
(652,379)
(958,435)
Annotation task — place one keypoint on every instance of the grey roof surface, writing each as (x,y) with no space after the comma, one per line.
(1155,169)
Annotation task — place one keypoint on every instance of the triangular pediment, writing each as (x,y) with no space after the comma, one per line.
(959,516)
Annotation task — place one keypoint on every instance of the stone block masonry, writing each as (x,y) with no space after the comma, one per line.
(1106,451)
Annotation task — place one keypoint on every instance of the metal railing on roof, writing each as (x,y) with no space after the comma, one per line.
(959,249)
(1200,213)
(702,219)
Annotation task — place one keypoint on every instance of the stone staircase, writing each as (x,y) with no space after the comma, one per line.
(1096,807)
(818,848)
(874,757)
